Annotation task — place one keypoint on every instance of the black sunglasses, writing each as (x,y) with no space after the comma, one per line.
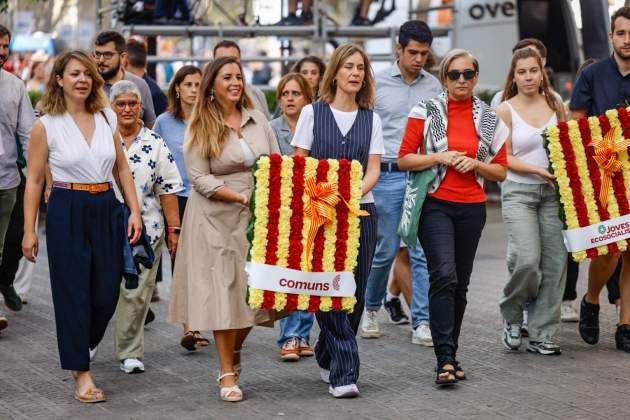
(455,74)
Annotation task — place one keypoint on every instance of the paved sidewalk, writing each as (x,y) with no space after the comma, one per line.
(396,376)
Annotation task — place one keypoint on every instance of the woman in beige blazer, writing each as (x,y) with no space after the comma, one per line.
(225,136)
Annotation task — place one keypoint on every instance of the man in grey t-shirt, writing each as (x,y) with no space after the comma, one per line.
(16,120)
(109,50)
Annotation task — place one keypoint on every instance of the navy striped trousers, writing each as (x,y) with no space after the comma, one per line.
(336,348)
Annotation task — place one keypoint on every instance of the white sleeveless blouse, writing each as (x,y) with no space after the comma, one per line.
(71,158)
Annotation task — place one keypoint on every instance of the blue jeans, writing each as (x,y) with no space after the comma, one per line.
(389,194)
(297,325)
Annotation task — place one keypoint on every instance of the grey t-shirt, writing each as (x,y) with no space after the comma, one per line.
(148,111)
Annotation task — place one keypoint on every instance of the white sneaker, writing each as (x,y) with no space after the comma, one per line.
(132,365)
(370,328)
(325,375)
(568,312)
(512,338)
(93,353)
(344,391)
(422,335)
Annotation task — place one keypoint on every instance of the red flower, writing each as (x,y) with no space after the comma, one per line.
(336,304)
(292,301)
(342,215)
(318,245)
(297,214)
(269,299)
(273,208)
(313,304)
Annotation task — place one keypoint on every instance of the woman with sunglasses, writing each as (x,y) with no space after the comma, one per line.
(458,140)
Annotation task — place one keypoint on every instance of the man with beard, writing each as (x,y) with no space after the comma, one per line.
(109,52)
(602,86)
(16,120)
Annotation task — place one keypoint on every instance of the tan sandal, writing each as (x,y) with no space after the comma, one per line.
(200,340)
(93,395)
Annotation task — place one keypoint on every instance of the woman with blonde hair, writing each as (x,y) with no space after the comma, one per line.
(342,125)
(78,140)
(225,137)
(456,141)
(536,256)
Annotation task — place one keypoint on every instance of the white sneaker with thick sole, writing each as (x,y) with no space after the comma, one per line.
(132,365)
(568,312)
(93,353)
(369,328)
(344,391)
(325,375)
(512,338)
(422,336)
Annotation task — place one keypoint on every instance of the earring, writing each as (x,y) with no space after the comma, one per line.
(212,95)
(177,95)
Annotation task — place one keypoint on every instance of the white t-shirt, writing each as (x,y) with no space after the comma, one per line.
(303,136)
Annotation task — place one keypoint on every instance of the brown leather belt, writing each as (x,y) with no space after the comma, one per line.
(91,188)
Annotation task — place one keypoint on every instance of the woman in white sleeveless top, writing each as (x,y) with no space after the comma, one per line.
(536,256)
(84,223)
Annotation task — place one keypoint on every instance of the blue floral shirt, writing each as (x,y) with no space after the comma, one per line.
(155,173)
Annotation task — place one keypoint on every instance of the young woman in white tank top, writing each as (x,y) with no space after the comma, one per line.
(84,225)
(536,256)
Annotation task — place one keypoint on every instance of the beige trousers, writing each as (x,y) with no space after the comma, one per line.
(132,309)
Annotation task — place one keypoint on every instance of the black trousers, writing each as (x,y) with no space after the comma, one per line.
(12,250)
(449,233)
(84,234)
(573,271)
(336,348)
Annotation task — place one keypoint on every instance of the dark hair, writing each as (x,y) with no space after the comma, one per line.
(4,31)
(226,44)
(623,12)
(137,53)
(531,42)
(414,30)
(111,36)
(175,104)
(297,68)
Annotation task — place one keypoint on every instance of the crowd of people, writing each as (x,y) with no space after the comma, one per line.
(126,172)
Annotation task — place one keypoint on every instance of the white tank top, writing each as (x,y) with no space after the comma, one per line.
(71,158)
(527,145)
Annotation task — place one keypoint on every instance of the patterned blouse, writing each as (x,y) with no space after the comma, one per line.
(155,173)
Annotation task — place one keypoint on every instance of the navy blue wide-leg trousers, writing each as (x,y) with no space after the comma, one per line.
(84,234)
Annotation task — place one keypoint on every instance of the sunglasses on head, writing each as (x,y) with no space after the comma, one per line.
(455,74)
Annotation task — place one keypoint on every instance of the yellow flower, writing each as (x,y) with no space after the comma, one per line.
(348,303)
(325,303)
(585,178)
(310,170)
(354,227)
(303,301)
(280,301)
(330,229)
(566,196)
(259,243)
(284,222)
(255,298)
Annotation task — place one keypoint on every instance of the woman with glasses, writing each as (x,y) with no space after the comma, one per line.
(458,140)
(79,141)
(157,180)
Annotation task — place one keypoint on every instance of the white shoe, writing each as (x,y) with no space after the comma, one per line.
(132,365)
(93,353)
(568,312)
(370,328)
(325,375)
(344,391)
(422,335)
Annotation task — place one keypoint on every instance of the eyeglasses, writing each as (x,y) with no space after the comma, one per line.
(107,55)
(121,105)
(455,74)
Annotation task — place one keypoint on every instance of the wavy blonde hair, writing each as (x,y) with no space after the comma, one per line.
(207,128)
(53,102)
(328,89)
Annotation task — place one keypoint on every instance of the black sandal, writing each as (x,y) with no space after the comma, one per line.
(188,341)
(460,375)
(446,381)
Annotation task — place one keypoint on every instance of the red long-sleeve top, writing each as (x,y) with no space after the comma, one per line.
(462,137)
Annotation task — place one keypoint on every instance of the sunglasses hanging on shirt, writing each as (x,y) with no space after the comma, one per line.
(454,75)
